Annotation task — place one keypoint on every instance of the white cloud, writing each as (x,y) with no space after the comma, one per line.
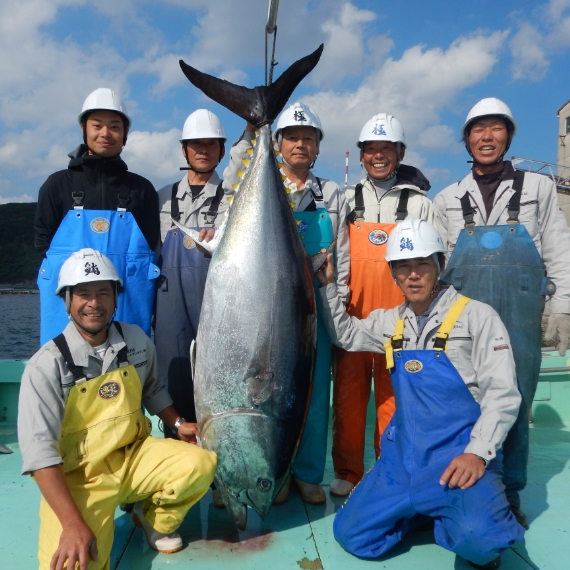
(439,138)
(344,53)
(529,57)
(535,43)
(155,155)
(416,89)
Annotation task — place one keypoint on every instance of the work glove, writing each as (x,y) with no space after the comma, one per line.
(558,329)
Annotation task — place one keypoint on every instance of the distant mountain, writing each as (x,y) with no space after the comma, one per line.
(19,261)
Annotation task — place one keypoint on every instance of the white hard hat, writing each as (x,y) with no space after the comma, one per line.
(107,100)
(491,106)
(202,124)
(85,266)
(382,127)
(299,115)
(413,238)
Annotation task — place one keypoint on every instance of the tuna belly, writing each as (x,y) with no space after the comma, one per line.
(254,451)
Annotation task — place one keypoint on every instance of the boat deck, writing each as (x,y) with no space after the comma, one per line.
(299,536)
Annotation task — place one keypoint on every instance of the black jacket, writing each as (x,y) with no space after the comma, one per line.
(101,178)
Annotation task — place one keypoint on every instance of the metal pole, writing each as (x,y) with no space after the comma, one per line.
(346,170)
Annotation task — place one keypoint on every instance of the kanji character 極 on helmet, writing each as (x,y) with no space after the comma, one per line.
(295,120)
(382,145)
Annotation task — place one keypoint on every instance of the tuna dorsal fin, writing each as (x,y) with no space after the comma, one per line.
(259,105)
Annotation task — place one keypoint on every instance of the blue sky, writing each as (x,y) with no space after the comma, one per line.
(425,62)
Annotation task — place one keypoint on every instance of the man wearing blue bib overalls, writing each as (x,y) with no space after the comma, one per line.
(453,377)
(83,434)
(509,246)
(96,202)
(197,201)
(320,209)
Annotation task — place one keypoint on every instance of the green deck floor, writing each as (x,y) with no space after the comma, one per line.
(297,536)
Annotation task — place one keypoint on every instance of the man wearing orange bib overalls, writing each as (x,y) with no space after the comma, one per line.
(391,192)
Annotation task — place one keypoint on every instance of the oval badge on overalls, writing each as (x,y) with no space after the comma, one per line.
(303,226)
(188,242)
(109,390)
(413,366)
(378,237)
(100,225)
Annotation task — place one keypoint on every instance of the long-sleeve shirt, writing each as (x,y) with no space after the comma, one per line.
(47,380)
(478,347)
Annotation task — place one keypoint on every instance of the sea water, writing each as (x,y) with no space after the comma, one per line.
(19,325)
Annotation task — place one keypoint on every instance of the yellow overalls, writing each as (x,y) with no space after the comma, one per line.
(109,458)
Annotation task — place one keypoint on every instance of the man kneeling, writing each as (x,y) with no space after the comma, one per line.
(456,398)
(84,437)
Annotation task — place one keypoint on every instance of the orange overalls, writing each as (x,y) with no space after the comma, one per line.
(371,287)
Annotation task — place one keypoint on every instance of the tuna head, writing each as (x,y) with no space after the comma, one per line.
(252,460)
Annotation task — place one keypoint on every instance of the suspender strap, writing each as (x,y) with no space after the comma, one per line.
(514,205)
(77,189)
(395,344)
(78,194)
(122,354)
(358,212)
(212,213)
(402,209)
(174,209)
(77,371)
(124,197)
(448,323)
(468,211)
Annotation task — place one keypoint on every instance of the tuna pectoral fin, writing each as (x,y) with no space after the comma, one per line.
(209,246)
(318,259)
(259,105)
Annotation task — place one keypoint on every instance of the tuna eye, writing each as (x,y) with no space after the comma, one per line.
(264,484)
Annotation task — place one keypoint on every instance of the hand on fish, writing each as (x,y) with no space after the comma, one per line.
(325,274)
(205,235)
(188,432)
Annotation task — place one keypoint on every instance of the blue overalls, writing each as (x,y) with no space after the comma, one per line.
(184,269)
(435,413)
(500,266)
(114,233)
(316,232)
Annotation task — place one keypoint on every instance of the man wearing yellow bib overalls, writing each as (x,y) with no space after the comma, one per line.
(83,434)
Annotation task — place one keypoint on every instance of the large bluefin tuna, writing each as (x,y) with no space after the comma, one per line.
(256,340)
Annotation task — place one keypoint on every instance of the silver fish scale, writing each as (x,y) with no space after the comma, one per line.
(258,303)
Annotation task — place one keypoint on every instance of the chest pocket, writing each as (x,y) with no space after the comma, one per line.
(459,346)
(528,216)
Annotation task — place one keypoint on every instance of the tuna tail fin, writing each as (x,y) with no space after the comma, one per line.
(260,105)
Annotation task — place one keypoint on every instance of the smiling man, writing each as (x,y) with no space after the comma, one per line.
(456,399)
(96,202)
(506,235)
(390,193)
(83,434)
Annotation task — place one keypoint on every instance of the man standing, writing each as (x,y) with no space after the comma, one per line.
(320,210)
(197,201)
(509,245)
(453,375)
(84,437)
(96,202)
(390,193)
